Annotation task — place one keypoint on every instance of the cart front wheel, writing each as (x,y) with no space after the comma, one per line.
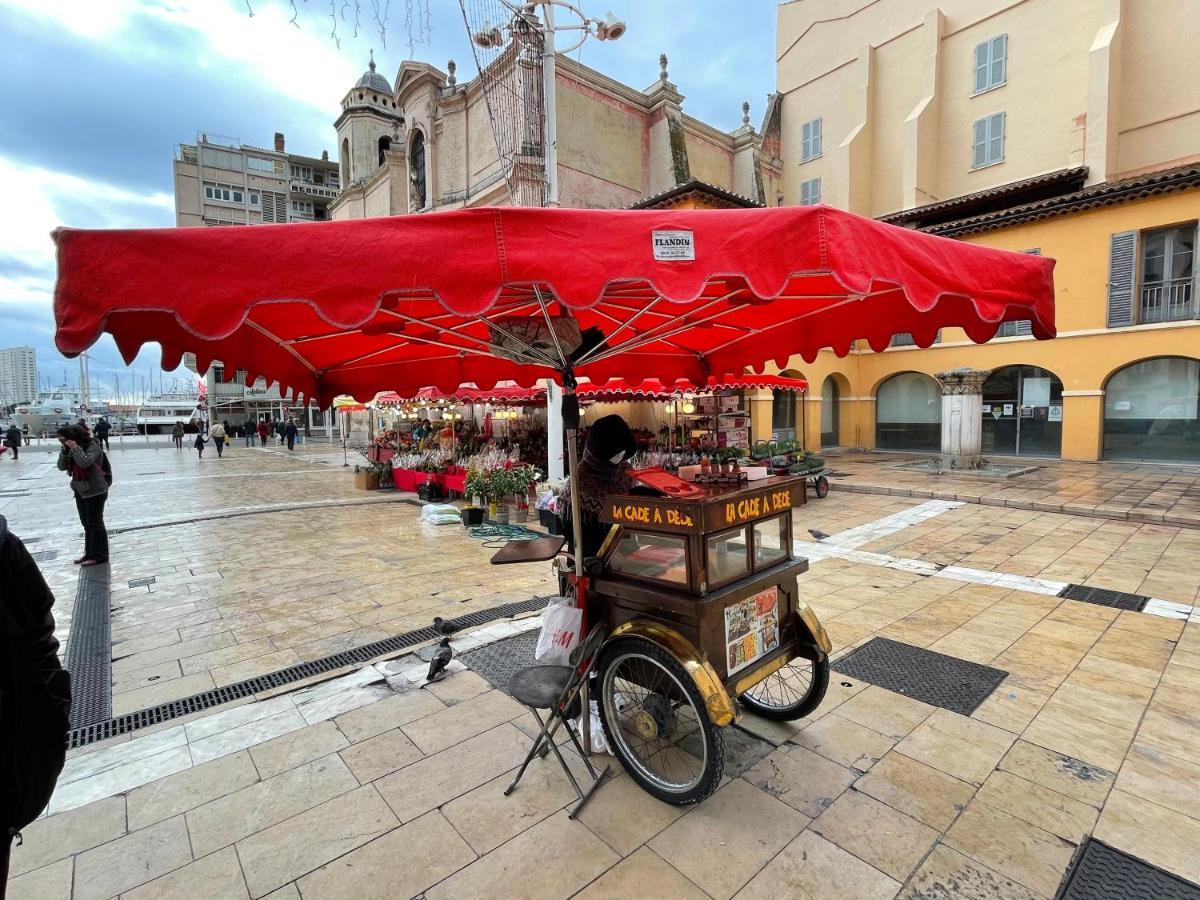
(656,723)
(822,487)
(790,693)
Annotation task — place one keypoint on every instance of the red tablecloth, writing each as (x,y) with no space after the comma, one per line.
(410,480)
(380,454)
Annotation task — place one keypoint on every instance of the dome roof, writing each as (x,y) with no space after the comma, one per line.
(373,80)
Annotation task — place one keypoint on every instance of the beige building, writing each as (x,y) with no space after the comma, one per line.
(426,142)
(1069,128)
(18,376)
(219,181)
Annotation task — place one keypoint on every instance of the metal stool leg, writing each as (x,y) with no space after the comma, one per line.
(538,749)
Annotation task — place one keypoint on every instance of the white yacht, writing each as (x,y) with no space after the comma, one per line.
(60,406)
(158,415)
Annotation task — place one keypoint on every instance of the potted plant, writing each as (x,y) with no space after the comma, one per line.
(366,478)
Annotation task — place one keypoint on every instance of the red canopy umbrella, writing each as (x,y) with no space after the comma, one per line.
(516,294)
(653,389)
(404,302)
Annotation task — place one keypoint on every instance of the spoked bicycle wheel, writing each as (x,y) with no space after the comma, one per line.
(656,723)
(793,691)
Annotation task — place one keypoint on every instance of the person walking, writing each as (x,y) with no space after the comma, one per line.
(35,695)
(177,434)
(101,430)
(12,440)
(199,444)
(249,429)
(290,431)
(217,433)
(263,430)
(25,434)
(91,476)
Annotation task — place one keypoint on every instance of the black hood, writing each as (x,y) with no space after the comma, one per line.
(3,529)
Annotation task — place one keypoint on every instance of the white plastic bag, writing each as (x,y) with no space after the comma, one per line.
(441,514)
(596,729)
(560,632)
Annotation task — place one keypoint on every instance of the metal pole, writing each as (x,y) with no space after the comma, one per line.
(585,715)
(548,97)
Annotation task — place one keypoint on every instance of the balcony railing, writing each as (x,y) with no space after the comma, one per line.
(1167,301)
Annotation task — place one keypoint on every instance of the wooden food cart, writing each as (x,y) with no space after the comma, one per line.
(699,595)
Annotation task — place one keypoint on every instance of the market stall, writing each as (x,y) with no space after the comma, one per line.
(488,295)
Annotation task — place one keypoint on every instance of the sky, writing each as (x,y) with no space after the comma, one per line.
(96,94)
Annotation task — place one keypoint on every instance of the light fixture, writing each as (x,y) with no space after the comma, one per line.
(488,37)
(689,407)
(610,28)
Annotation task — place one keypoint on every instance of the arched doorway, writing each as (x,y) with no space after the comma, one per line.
(831,414)
(385,144)
(1152,410)
(908,413)
(1022,412)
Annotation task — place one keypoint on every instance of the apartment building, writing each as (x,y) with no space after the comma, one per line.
(1069,128)
(18,376)
(219,181)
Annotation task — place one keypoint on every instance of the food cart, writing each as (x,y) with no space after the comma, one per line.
(712,576)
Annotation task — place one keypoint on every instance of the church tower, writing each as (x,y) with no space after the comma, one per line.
(369,126)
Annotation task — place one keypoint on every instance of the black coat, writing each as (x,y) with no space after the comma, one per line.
(35,691)
(12,437)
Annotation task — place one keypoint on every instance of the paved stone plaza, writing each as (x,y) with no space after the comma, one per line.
(359,784)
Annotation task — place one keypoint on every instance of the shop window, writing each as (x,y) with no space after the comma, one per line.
(783,415)
(1152,411)
(1022,412)
(991,64)
(989,141)
(810,192)
(908,413)
(810,140)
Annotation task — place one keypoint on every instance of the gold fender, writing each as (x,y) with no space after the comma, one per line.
(717,701)
(809,617)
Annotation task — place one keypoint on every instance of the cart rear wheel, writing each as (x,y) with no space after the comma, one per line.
(822,486)
(656,723)
(792,692)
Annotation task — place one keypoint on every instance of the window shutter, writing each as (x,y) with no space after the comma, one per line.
(999,59)
(1122,248)
(996,150)
(980,155)
(981,67)
(817,138)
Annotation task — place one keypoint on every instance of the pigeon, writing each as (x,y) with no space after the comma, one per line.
(819,535)
(441,659)
(442,627)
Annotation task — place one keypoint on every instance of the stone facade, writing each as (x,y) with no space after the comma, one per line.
(616,145)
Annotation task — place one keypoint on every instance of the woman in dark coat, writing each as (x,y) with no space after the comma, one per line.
(35,694)
(603,470)
(84,460)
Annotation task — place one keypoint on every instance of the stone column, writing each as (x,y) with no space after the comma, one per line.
(962,417)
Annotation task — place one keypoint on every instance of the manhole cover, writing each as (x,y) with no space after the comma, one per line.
(934,678)
(1100,872)
(1104,597)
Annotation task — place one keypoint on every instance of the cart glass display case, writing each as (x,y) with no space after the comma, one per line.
(718,567)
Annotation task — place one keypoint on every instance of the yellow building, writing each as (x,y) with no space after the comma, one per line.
(1070,128)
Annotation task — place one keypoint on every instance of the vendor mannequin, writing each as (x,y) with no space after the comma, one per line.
(603,470)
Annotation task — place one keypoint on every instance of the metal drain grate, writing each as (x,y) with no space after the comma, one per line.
(497,662)
(1099,872)
(44,555)
(140,474)
(142,582)
(934,678)
(89,649)
(14,493)
(1104,597)
(176,708)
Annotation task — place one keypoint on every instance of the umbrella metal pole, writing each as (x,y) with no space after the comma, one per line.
(585,719)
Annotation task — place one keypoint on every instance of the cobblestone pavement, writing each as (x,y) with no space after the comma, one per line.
(1139,492)
(364,785)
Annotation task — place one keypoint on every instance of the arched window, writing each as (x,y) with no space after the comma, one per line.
(908,413)
(345,162)
(1022,412)
(1152,410)
(830,412)
(416,168)
(385,144)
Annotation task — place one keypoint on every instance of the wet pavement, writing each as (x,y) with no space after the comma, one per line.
(360,783)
